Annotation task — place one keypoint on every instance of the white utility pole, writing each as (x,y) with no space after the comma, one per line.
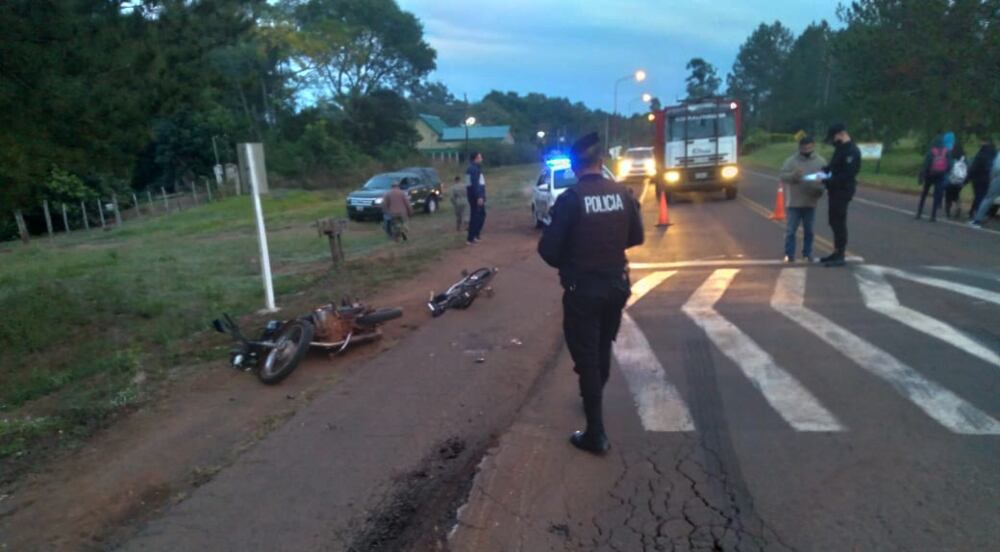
(265,258)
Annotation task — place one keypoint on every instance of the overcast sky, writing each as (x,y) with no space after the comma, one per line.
(578,48)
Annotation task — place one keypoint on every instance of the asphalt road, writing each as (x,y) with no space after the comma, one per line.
(758,406)
(753,406)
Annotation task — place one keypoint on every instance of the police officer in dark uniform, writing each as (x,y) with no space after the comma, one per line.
(840,187)
(593,223)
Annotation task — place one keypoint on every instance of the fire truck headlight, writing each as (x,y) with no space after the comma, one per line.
(672,177)
(730,172)
(650,167)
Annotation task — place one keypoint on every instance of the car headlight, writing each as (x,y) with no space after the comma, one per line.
(672,177)
(730,172)
(650,167)
(624,166)
(378,201)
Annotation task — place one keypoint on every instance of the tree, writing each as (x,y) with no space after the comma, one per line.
(758,68)
(355,47)
(704,81)
(808,90)
(381,124)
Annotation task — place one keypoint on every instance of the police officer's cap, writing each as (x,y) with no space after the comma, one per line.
(834,130)
(586,150)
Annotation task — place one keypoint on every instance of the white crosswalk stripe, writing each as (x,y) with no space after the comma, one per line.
(785,394)
(879,296)
(937,402)
(662,407)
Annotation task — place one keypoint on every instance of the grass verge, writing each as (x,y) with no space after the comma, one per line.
(95,321)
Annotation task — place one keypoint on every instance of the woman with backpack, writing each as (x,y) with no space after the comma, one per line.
(957,177)
(935,171)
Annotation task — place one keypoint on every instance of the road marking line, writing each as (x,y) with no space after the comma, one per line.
(766,213)
(937,402)
(786,395)
(720,263)
(642,196)
(970,291)
(645,285)
(968,272)
(879,296)
(658,402)
(889,207)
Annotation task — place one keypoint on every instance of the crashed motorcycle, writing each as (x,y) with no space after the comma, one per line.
(282,344)
(464,292)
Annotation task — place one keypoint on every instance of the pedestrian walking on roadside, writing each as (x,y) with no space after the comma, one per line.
(934,175)
(593,223)
(803,195)
(991,195)
(396,210)
(979,174)
(840,187)
(957,177)
(476,194)
(458,202)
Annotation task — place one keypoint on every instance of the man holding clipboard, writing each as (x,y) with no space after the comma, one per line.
(801,175)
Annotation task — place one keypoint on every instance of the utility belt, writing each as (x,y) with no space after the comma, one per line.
(598,284)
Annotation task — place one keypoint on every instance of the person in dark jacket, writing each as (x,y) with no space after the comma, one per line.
(979,173)
(593,223)
(934,174)
(953,184)
(476,192)
(840,188)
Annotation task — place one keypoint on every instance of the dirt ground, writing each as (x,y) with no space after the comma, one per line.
(89,498)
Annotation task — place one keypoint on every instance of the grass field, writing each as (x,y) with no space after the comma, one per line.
(898,170)
(93,321)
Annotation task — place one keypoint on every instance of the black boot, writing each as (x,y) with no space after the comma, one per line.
(593,440)
(837,259)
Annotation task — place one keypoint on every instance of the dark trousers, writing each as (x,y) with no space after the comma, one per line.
(979,192)
(477,218)
(590,324)
(938,183)
(837,216)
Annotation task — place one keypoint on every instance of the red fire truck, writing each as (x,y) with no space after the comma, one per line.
(697,146)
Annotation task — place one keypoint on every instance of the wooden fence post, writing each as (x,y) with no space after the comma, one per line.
(333,230)
(83,213)
(65,218)
(194,191)
(100,211)
(166,205)
(22,228)
(48,216)
(135,202)
(149,196)
(118,212)
(208,189)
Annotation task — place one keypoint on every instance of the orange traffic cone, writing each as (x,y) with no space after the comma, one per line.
(779,203)
(664,211)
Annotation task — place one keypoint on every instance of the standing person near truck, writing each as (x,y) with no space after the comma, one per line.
(991,195)
(593,223)
(979,174)
(803,195)
(476,192)
(840,188)
(397,210)
(458,202)
(934,175)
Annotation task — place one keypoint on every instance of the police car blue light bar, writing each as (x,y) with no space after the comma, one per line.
(558,163)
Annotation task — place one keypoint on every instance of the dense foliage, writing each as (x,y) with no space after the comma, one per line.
(894,68)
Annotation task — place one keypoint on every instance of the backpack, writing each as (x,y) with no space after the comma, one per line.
(959,172)
(939,161)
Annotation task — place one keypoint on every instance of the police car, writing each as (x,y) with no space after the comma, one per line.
(556,178)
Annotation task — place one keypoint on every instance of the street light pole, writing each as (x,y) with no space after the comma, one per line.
(639,76)
(468,122)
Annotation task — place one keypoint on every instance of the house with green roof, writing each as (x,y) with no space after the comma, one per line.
(440,141)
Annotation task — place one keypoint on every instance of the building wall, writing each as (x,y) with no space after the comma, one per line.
(428,138)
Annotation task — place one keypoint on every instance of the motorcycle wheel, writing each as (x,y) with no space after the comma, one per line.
(379,316)
(291,344)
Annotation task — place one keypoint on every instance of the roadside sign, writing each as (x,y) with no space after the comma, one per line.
(871,150)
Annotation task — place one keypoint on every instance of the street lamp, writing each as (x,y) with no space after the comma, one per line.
(647,97)
(540,134)
(468,122)
(639,76)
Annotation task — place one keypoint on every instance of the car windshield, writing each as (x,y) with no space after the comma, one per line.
(639,154)
(701,126)
(564,178)
(379,182)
